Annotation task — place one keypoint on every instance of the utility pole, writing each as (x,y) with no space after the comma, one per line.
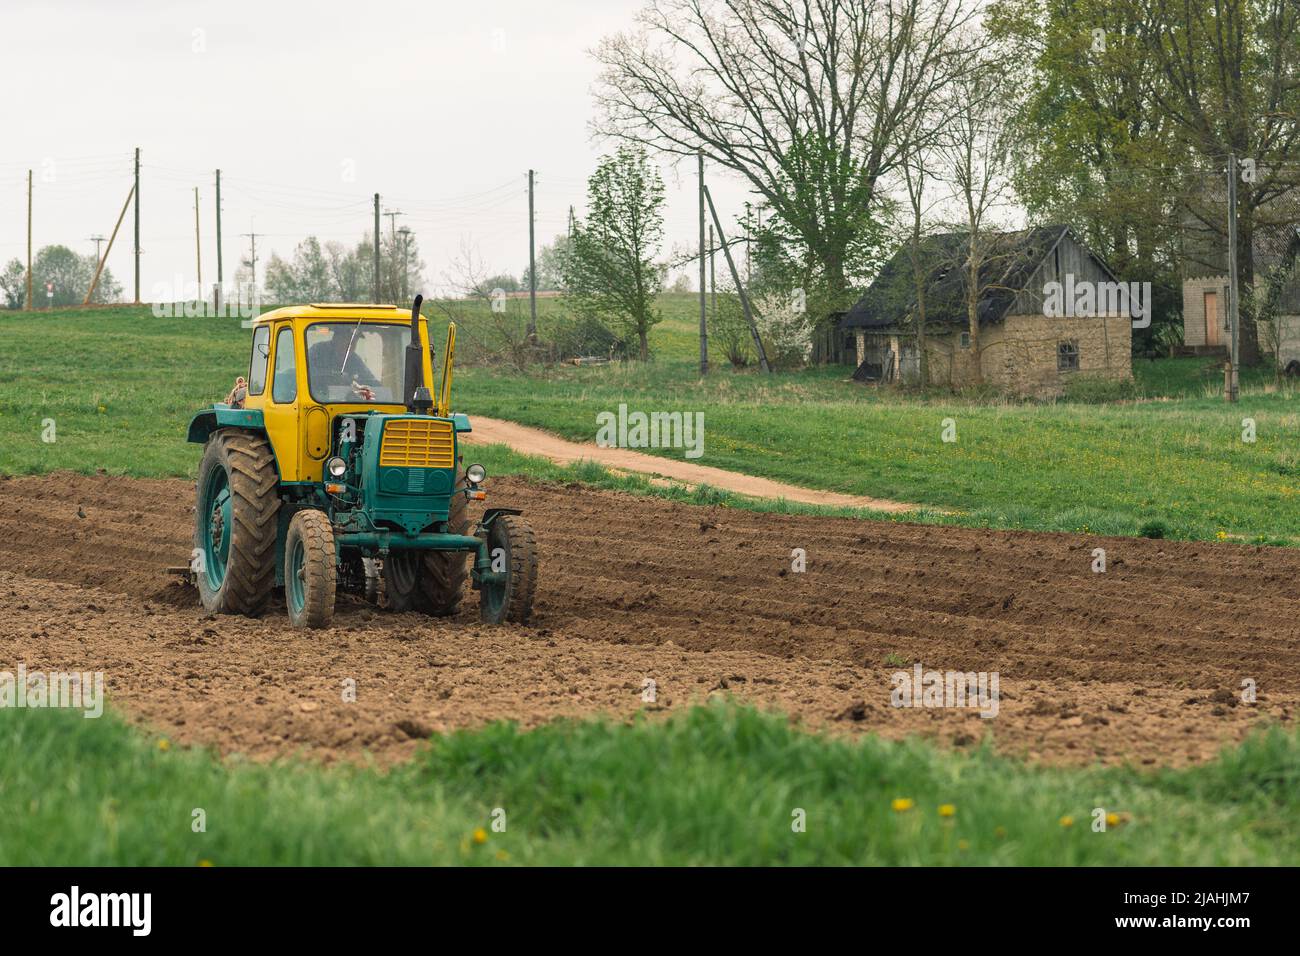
(570,222)
(252,261)
(137,225)
(97,240)
(111,239)
(713,278)
(198,247)
(532,267)
(392,222)
(1234,298)
(704,328)
(392,231)
(405,233)
(747,273)
(393,245)
(376,248)
(220,278)
(28,305)
(740,289)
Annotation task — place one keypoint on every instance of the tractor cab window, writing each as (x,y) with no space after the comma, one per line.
(356,362)
(261,351)
(284,386)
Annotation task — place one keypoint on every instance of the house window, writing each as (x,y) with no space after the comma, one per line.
(965,340)
(1067,357)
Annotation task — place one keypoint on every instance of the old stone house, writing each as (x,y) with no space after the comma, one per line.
(1049,311)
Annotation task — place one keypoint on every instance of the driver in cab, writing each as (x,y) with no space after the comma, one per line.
(334,363)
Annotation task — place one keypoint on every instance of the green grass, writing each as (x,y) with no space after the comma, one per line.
(120,386)
(714,785)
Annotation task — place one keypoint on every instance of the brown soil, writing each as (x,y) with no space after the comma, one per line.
(1144,662)
(534,441)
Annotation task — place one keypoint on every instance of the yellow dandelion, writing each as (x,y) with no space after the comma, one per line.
(963,844)
(205,862)
(164,744)
(1115,819)
(101,409)
(480,835)
(947,810)
(903,804)
(1067,821)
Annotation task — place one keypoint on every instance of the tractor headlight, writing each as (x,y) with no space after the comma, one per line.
(337,467)
(475,474)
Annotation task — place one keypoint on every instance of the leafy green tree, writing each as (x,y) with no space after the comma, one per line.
(70,275)
(550,265)
(401,267)
(1229,71)
(13,284)
(334,273)
(503,281)
(350,270)
(1134,108)
(306,278)
(1097,149)
(609,270)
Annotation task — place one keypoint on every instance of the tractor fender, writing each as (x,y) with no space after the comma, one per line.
(220,415)
(491,514)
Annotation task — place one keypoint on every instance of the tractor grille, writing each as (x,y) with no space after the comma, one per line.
(417,443)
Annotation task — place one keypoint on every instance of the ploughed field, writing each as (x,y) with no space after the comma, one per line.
(1143,663)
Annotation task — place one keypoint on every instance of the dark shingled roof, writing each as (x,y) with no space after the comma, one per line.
(1014,259)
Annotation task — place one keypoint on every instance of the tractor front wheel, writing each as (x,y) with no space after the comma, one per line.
(512,550)
(431,582)
(235,512)
(310,569)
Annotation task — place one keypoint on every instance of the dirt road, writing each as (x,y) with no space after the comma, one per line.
(1144,662)
(534,441)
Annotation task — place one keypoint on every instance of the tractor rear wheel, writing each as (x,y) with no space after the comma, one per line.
(431,582)
(235,521)
(513,549)
(310,569)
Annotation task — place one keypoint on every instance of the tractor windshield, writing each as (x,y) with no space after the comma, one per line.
(356,361)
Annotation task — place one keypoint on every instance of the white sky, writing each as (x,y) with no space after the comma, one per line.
(440,107)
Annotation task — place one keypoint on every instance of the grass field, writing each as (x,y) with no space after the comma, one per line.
(712,785)
(717,785)
(1175,457)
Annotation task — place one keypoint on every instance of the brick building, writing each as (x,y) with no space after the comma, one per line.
(1048,311)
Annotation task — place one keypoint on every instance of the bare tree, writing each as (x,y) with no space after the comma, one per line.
(976,156)
(916,180)
(503,334)
(809,101)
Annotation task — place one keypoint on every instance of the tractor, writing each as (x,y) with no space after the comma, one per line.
(332,467)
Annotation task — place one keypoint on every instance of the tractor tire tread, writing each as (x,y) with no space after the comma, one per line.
(255,506)
(523,567)
(319,566)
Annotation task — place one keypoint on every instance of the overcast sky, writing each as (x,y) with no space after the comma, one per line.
(308,109)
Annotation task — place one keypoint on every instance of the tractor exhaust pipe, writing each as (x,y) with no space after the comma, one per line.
(418,394)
